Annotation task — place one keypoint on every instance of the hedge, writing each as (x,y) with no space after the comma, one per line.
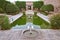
(1,10)
(21,4)
(8,7)
(55,21)
(2,4)
(4,22)
(48,7)
(38,4)
(11,9)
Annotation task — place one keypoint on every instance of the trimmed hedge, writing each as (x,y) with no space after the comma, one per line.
(21,4)
(4,22)
(1,10)
(38,4)
(8,7)
(2,4)
(55,21)
(48,7)
(11,9)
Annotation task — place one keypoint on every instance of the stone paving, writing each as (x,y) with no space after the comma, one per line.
(44,34)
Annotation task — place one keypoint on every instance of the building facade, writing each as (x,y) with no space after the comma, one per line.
(29,5)
(55,3)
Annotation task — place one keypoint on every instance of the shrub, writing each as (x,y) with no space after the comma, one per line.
(21,4)
(8,7)
(55,21)
(4,22)
(43,12)
(2,4)
(48,7)
(38,4)
(1,10)
(11,8)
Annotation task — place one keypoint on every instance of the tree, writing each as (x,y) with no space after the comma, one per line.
(4,22)
(1,10)
(21,4)
(48,7)
(11,9)
(55,21)
(38,4)
(2,4)
(8,7)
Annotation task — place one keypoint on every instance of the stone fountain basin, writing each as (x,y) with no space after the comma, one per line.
(30,34)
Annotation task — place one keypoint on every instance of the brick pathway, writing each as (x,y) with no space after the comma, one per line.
(44,34)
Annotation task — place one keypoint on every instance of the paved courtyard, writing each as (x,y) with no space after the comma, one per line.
(44,34)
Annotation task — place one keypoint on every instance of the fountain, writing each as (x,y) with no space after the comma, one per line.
(29,30)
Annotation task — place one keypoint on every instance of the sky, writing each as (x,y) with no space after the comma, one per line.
(21,0)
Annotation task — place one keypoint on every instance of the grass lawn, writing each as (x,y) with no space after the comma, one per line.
(39,21)
(20,21)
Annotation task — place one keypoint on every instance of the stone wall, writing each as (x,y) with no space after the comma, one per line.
(56,4)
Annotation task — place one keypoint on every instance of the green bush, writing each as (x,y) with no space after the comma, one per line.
(4,22)
(1,10)
(38,4)
(48,8)
(2,4)
(21,4)
(44,13)
(8,7)
(55,21)
(11,9)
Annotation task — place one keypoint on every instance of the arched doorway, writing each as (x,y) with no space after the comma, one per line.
(29,7)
